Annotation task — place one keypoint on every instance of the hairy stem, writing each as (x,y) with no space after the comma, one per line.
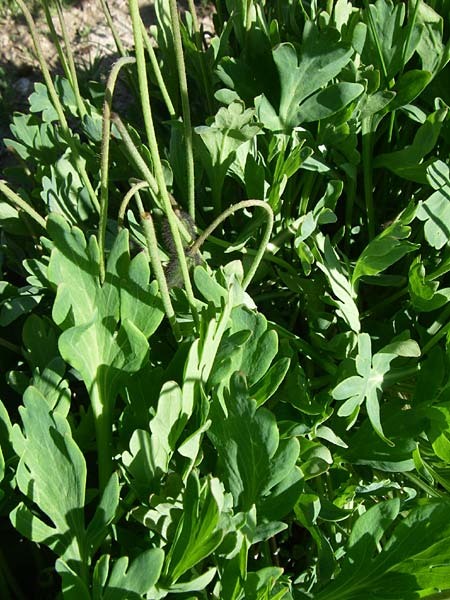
(153,145)
(139,185)
(185,106)
(70,61)
(55,38)
(152,245)
(157,72)
(145,171)
(262,247)
(106,133)
(109,20)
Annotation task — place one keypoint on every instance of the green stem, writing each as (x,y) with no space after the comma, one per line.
(55,38)
(435,339)
(19,203)
(306,349)
(153,145)
(178,47)
(106,133)
(10,346)
(152,245)
(262,247)
(102,410)
(424,486)
(376,40)
(144,170)
(267,255)
(442,595)
(399,374)
(139,185)
(109,20)
(134,154)
(366,130)
(206,79)
(381,305)
(58,106)
(195,24)
(71,63)
(157,72)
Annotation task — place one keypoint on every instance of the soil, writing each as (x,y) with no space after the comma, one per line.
(91,41)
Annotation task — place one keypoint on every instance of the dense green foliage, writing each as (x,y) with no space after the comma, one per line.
(225,311)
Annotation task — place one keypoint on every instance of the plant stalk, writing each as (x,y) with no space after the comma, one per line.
(157,72)
(152,245)
(153,145)
(178,47)
(19,203)
(106,134)
(229,211)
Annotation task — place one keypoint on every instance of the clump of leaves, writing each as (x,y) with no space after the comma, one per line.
(225,310)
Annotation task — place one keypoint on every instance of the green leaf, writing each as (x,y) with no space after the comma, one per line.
(408,86)
(329,101)
(199,532)
(270,382)
(406,162)
(104,514)
(148,457)
(390,44)
(132,580)
(368,384)
(414,558)
(383,251)
(436,210)
(40,340)
(103,351)
(16,302)
(251,457)
(322,57)
(64,192)
(73,587)
(60,491)
(232,126)
(426,295)
(431,49)
(340,285)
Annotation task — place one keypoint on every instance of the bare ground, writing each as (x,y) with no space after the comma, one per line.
(90,38)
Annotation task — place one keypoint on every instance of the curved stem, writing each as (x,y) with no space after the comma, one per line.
(139,185)
(106,133)
(229,211)
(178,47)
(21,204)
(268,255)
